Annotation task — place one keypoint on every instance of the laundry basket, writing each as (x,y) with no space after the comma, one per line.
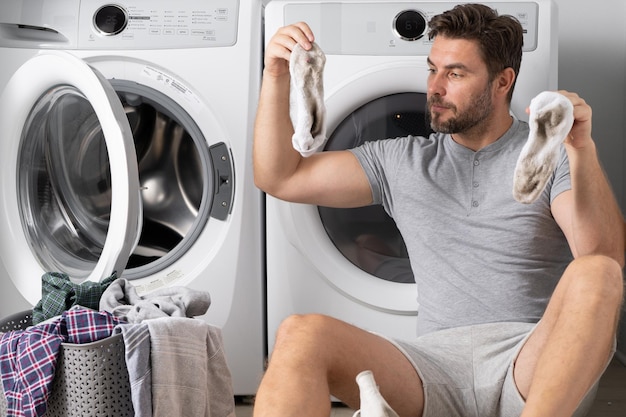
(91,379)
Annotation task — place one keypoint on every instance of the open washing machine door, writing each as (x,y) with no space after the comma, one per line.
(69,180)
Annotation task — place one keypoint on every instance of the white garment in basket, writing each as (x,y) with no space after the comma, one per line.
(122,300)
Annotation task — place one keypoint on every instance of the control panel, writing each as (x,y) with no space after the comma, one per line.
(153,24)
(390,28)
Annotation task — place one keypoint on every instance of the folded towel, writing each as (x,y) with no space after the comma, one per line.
(190,376)
(551,118)
(306,101)
(372,402)
(122,300)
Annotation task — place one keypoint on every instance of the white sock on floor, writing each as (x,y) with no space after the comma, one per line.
(372,402)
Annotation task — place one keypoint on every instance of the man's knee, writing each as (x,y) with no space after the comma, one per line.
(301,330)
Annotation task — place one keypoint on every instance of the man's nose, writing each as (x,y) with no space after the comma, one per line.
(435,85)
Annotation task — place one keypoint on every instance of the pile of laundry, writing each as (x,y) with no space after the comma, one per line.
(176,364)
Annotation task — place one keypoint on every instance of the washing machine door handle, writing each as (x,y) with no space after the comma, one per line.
(32,81)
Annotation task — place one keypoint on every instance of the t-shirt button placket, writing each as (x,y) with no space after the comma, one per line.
(475,184)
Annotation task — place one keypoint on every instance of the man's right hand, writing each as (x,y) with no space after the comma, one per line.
(278,50)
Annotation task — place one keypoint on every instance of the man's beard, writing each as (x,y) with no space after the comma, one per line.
(460,122)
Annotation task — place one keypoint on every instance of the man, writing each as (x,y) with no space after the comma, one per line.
(518,303)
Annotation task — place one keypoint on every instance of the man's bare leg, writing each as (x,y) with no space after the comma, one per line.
(316,356)
(571,345)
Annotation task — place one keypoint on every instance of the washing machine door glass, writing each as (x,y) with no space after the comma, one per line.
(76,171)
(367,236)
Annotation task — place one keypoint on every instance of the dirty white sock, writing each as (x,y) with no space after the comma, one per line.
(551,118)
(372,402)
(306,101)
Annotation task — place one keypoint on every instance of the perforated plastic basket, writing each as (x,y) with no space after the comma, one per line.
(91,379)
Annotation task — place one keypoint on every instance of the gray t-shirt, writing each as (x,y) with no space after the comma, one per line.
(478,255)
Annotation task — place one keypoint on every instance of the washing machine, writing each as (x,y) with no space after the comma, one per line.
(352,263)
(126,148)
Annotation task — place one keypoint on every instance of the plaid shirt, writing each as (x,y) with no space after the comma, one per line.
(59,293)
(28,357)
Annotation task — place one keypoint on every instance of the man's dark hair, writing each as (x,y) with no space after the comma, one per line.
(499,37)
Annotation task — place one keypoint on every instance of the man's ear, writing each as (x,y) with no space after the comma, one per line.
(504,81)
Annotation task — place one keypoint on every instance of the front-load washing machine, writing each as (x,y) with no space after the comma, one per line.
(352,263)
(126,148)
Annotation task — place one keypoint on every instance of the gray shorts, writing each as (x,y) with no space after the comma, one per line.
(468,371)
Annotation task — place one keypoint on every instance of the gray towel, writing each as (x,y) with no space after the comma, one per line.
(550,120)
(190,376)
(137,355)
(306,102)
(121,299)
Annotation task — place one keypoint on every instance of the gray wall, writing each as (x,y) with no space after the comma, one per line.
(592,62)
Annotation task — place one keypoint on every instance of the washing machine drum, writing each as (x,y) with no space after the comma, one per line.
(177,174)
(367,236)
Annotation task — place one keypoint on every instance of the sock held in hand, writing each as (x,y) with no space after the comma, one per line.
(551,118)
(306,101)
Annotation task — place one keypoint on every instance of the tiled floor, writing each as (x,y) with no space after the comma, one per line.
(610,401)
